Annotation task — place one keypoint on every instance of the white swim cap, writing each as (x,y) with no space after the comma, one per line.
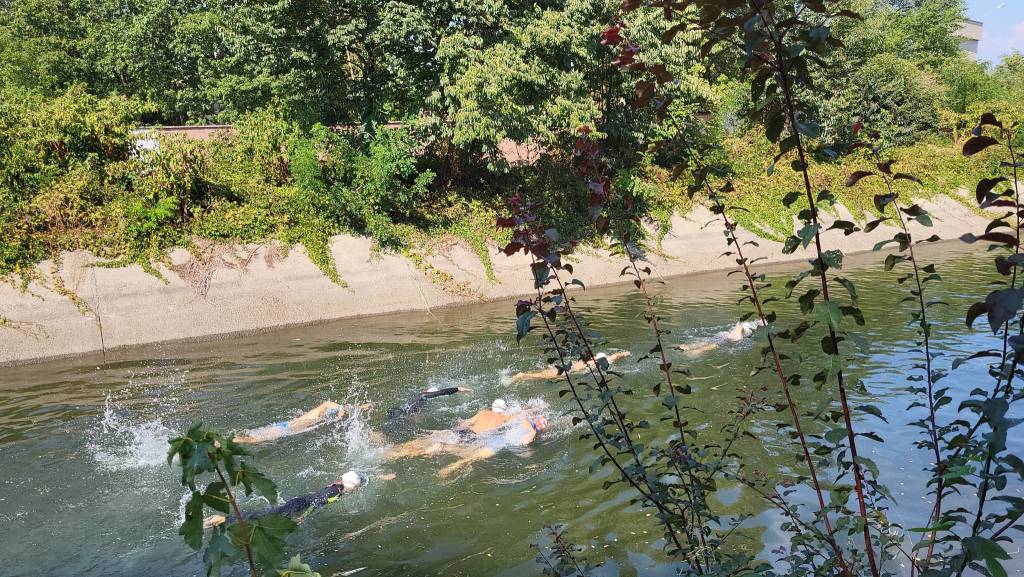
(432,390)
(499,406)
(601,356)
(351,480)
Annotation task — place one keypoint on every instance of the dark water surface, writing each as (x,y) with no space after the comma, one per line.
(85,490)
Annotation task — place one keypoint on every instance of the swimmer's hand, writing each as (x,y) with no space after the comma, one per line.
(465,390)
(214,521)
(386,476)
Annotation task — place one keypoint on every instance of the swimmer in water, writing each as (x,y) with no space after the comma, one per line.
(477,438)
(742,330)
(416,402)
(328,410)
(299,507)
(577,367)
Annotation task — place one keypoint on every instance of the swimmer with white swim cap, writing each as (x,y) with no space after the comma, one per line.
(739,331)
(477,438)
(577,367)
(299,507)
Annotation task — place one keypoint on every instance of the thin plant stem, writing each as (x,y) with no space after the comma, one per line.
(858,475)
(730,227)
(933,427)
(241,522)
(600,438)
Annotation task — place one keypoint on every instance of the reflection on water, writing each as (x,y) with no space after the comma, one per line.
(85,489)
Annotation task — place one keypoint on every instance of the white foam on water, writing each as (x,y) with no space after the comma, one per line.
(362,453)
(121,443)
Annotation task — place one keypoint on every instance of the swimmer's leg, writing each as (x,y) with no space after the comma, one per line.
(264,434)
(477,454)
(433,444)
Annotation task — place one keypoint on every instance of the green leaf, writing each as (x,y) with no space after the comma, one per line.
(835,435)
(829,312)
(990,551)
(252,479)
(807,300)
(296,568)
(523,324)
(1002,305)
(943,526)
(266,537)
(809,129)
(872,410)
(192,528)
(807,233)
(850,288)
(832,259)
(199,457)
(217,552)
(216,497)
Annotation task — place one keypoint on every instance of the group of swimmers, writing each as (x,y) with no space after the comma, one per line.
(480,437)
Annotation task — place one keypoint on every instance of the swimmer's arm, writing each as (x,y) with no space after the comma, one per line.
(214,521)
(619,355)
(580,366)
(529,434)
(698,348)
(443,392)
(548,373)
(477,455)
(316,414)
(327,409)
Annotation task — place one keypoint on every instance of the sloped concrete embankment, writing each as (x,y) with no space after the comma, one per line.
(252,288)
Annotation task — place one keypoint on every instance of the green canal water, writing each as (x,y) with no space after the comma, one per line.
(85,490)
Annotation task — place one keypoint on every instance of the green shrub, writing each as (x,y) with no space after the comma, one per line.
(900,99)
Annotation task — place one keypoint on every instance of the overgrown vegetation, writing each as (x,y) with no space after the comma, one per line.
(79,77)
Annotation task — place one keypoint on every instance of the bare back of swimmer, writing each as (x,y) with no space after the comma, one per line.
(477,438)
(739,331)
(577,367)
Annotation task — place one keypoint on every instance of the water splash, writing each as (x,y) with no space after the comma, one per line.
(364,451)
(121,444)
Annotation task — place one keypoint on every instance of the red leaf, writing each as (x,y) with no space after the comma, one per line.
(611,36)
(644,92)
(661,73)
(512,248)
(977,144)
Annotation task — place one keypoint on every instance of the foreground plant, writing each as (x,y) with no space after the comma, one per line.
(779,43)
(981,457)
(203,453)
